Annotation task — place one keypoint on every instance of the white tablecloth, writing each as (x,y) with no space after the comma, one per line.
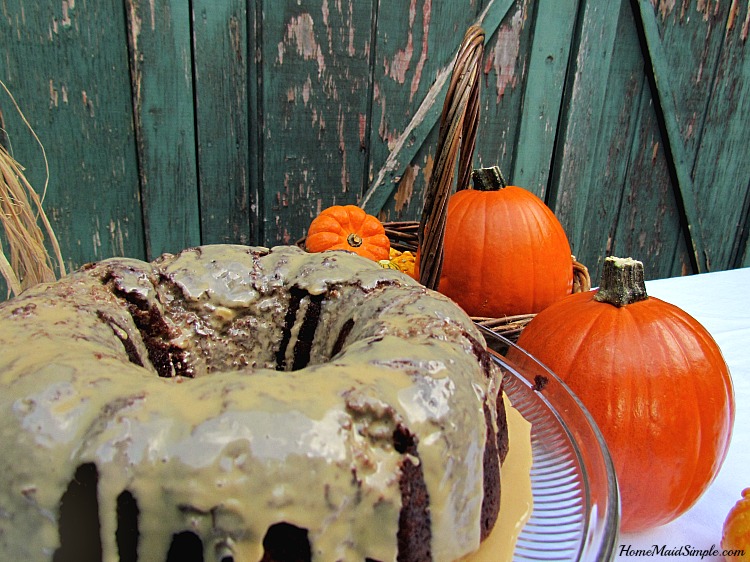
(721,302)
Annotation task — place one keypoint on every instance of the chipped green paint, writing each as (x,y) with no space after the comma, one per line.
(169,123)
(162,86)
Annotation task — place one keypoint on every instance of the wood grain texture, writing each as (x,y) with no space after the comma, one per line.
(66,64)
(415,44)
(721,170)
(596,130)
(554,25)
(316,88)
(667,101)
(701,106)
(506,64)
(162,86)
(171,123)
(220,66)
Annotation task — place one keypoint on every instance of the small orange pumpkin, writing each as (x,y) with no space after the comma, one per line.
(348,227)
(505,252)
(736,532)
(653,379)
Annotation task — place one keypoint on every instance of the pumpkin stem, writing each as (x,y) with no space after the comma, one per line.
(622,282)
(488,179)
(354,240)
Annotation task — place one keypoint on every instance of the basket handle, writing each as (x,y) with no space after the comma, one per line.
(458,129)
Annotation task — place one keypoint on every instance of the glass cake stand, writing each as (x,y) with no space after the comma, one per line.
(576,507)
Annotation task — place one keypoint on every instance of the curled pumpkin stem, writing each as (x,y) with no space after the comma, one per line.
(354,240)
(622,282)
(488,179)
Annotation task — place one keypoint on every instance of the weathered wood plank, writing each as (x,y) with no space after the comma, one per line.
(316,91)
(584,192)
(554,26)
(297,106)
(255,122)
(67,65)
(505,67)
(403,159)
(648,226)
(678,158)
(162,83)
(722,166)
(407,62)
(221,106)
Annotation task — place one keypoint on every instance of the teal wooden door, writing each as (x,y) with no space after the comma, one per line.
(169,123)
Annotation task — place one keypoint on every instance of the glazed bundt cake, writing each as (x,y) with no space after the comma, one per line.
(239,404)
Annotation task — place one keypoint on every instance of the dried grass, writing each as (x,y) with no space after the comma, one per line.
(21,213)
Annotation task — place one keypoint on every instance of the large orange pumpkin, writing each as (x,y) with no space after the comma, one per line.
(654,381)
(348,227)
(505,252)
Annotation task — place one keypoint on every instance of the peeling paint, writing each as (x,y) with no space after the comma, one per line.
(306,89)
(664,7)
(116,237)
(87,103)
(351,51)
(704,7)
(428,166)
(426,16)
(53,94)
(502,58)
(362,131)
(398,67)
(67,6)
(235,38)
(342,151)
(405,188)
(734,10)
(300,34)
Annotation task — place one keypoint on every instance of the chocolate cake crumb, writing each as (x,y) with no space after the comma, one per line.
(304,343)
(414,536)
(491,479)
(343,334)
(295,298)
(167,359)
(122,334)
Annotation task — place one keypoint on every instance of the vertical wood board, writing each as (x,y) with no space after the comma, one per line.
(68,69)
(220,68)
(584,193)
(554,26)
(721,173)
(316,85)
(162,85)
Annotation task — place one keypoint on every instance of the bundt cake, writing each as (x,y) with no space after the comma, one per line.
(231,404)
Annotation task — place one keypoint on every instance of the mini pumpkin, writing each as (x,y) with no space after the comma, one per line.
(505,252)
(653,379)
(736,532)
(348,227)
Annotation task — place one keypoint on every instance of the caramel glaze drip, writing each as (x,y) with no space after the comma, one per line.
(381,439)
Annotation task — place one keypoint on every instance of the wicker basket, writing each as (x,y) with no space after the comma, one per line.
(455,150)
(403,237)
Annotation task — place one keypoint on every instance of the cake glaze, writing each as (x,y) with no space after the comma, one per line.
(211,398)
